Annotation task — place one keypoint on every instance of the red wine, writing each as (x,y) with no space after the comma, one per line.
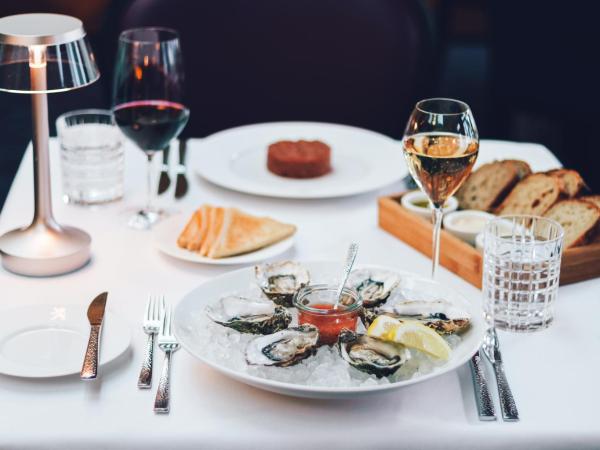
(151,124)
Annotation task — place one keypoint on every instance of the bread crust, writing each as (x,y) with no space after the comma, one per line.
(554,193)
(491,193)
(571,181)
(590,232)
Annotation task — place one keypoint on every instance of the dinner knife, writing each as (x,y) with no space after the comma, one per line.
(491,349)
(485,404)
(164,181)
(181,183)
(95,314)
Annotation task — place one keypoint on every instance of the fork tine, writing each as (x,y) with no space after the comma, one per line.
(148,305)
(163,328)
(162,305)
(168,314)
(156,313)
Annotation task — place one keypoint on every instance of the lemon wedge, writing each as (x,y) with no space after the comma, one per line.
(410,333)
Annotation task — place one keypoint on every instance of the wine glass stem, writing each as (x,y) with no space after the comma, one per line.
(150,181)
(436,214)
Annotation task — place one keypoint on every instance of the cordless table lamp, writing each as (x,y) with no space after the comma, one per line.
(41,54)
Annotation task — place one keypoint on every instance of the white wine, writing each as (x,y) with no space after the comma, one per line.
(440,162)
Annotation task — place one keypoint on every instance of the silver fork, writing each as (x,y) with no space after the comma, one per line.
(168,344)
(152,320)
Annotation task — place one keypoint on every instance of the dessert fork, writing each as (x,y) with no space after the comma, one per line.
(168,344)
(152,319)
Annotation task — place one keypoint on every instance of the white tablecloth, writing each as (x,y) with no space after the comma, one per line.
(554,374)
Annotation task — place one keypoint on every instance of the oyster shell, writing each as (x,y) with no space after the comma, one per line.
(374,287)
(441,315)
(371,355)
(256,316)
(281,280)
(284,348)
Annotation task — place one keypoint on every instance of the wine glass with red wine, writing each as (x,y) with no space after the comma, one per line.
(148,99)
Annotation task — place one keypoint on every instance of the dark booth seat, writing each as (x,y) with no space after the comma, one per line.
(362,63)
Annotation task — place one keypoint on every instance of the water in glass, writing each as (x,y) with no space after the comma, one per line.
(92,159)
(521,272)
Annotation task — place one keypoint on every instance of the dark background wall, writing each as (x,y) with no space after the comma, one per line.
(527,68)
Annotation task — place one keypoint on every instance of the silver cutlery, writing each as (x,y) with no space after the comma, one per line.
(168,344)
(491,349)
(164,181)
(350,258)
(95,314)
(152,320)
(181,183)
(485,404)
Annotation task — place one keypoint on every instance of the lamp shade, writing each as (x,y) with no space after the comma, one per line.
(52,41)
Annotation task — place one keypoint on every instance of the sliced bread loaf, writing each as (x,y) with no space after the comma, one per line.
(488,185)
(595,199)
(523,168)
(578,218)
(571,182)
(534,195)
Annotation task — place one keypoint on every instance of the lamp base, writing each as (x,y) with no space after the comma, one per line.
(43,249)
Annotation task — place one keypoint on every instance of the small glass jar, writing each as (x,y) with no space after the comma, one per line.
(316,304)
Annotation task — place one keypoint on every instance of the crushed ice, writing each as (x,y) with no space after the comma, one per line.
(227,347)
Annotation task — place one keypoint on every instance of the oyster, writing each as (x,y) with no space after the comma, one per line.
(371,355)
(284,348)
(281,280)
(256,316)
(441,315)
(374,287)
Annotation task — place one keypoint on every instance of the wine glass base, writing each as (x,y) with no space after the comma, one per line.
(144,219)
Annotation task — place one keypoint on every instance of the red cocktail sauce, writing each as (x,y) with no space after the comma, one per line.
(331,323)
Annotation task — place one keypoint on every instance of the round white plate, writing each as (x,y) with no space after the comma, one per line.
(362,160)
(167,231)
(50,341)
(190,317)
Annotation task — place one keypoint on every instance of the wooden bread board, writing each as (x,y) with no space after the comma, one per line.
(578,264)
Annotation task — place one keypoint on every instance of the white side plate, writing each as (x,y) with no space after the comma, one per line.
(50,341)
(167,231)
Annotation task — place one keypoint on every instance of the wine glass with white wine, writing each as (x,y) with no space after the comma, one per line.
(441,144)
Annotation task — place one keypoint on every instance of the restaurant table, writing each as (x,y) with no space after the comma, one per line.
(554,373)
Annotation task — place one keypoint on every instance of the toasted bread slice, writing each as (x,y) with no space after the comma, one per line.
(534,195)
(204,225)
(571,181)
(489,184)
(243,233)
(191,231)
(193,234)
(215,223)
(578,218)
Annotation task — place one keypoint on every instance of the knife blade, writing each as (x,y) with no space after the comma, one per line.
(95,314)
(164,181)
(181,183)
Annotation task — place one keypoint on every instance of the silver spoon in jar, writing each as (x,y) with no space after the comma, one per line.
(350,258)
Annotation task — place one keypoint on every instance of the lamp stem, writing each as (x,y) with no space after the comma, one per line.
(41,165)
